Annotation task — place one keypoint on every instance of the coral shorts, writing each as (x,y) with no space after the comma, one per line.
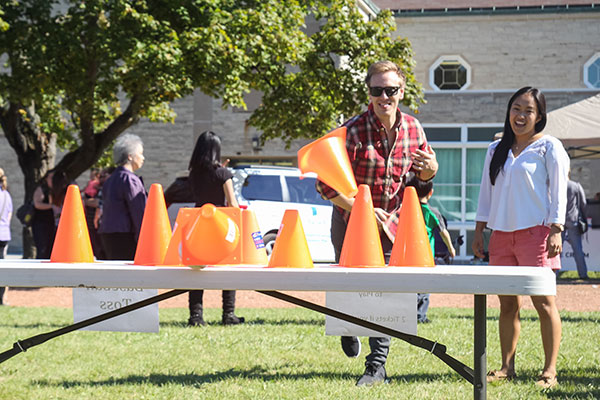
(526,247)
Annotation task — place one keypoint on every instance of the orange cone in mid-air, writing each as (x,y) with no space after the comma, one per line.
(210,238)
(328,158)
(362,246)
(291,248)
(411,245)
(155,232)
(72,242)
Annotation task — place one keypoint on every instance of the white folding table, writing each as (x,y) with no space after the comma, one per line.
(479,280)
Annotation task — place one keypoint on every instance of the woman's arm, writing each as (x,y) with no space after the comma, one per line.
(477,245)
(230,194)
(38,200)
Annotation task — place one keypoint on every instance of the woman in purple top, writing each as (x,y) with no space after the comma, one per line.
(123,200)
(211,182)
(6,209)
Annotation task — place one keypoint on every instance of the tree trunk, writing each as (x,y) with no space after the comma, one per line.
(36,153)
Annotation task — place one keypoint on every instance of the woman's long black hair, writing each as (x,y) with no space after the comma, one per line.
(205,160)
(207,152)
(508,137)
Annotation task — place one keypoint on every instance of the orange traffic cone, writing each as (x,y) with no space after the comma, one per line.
(185,215)
(362,246)
(327,156)
(291,248)
(411,245)
(155,231)
(253,247)
(210,238)
(72,242)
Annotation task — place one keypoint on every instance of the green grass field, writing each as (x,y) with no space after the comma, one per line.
(279,354)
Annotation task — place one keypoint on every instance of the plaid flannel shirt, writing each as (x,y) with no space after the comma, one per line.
(377,164)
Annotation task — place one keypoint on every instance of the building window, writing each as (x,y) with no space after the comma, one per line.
(450,73)
(460,150)
(591,72)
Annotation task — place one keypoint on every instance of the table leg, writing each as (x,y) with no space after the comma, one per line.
(480,361)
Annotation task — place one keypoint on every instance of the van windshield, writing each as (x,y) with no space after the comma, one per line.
(304,191)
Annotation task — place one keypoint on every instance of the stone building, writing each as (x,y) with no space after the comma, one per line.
(470,57)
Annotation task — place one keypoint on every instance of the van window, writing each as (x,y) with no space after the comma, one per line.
(262,187)
(304,191)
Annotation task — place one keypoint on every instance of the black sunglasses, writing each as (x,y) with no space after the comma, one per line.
(389,90)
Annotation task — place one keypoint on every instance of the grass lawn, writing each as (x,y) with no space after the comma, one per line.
(279,354)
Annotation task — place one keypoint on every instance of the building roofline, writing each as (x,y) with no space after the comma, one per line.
(541,9)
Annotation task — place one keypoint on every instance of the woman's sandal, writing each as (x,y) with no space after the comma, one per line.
(496,375)
(547,382)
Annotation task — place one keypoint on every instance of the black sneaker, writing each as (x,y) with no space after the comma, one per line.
(373,375)
(424,321)
(232,319)
(351,346)
(196,321)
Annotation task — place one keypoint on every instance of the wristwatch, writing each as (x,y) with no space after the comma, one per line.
(557,226)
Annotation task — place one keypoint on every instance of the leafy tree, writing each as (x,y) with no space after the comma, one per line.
(77,73)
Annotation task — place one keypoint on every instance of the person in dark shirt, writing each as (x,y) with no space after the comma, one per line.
(210,182)
(123,200)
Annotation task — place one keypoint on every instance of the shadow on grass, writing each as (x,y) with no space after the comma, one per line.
(585,380)
(257,373)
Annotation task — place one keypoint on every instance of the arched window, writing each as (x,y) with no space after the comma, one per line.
(450,73)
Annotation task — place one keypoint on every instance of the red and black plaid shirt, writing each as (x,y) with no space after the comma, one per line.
(377,164)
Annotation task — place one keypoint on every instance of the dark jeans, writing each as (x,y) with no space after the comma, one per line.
(119,245)
(43,237)
(380,346)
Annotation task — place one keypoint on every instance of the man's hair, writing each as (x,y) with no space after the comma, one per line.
(423,188)
(380,67)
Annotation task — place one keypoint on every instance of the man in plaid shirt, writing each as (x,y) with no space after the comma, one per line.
(383,144)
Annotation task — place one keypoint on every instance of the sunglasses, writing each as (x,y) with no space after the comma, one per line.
(376,91)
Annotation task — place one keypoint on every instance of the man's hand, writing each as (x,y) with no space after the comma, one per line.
(425,163)
(381,216)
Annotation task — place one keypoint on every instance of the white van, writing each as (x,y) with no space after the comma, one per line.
(270,190)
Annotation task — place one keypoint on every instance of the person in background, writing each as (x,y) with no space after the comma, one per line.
(383,144)
(43,223)
(90,197)
(433,221)
(104,175)
(210,182)
(523,199)
(123,200)
(576,204)
(6,210)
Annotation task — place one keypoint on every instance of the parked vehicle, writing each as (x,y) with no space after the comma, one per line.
(270,190)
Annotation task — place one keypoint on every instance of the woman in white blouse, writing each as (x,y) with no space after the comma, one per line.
(523,199)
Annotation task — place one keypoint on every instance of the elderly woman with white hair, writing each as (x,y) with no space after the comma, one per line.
(124,200)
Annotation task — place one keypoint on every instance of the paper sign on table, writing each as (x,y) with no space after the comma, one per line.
(396,311)
(90,302)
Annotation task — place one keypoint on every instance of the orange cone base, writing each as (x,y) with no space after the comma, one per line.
(72,241)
